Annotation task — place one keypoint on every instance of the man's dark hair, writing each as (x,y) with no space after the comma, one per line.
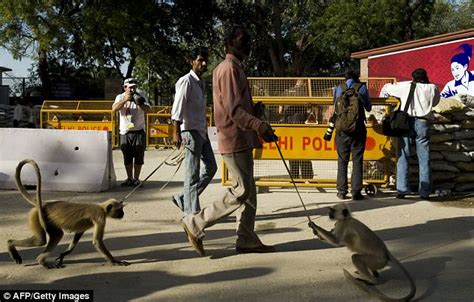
(419,75)
(232,33)
(198,52)
(352,74)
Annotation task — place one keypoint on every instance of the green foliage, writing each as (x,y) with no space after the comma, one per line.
(450,16)
(86,41)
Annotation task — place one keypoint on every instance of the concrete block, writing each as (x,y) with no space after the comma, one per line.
(69,160)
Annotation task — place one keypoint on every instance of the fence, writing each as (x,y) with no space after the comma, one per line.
(299,109)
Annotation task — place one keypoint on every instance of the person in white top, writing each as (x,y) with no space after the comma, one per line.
(190,124)
(17,114)
(132,107)
(426,96)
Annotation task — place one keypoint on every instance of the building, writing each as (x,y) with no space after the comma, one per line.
(433,54)
(4,89)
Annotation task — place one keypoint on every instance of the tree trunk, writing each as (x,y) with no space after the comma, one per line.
(43,71)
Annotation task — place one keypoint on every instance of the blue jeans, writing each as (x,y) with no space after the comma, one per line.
(196,178)
(420,133)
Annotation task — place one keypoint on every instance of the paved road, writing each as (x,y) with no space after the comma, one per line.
(434,242)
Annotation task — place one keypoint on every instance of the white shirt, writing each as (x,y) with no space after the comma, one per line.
(18,112)
(132,117)
(425,97)
(189,106)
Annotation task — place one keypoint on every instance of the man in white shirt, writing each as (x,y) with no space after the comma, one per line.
(190,123)
(132,107)
(426,96)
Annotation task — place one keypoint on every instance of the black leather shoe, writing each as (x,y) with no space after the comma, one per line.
(258,249)
(358,196)
(401,196)
(425,198)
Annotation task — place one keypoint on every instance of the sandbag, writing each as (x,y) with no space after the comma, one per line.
(464,134)
(457,156)
(467,114)
(467,124)
(446,146)
(467,100)
(465,177)
(440,138)
(442,176)
(439,119)
(467,144)
(465,166)
(438,165)
(449,105)
(463,187)
(445,128)
(436,155)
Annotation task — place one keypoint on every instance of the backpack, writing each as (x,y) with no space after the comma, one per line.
(347,108)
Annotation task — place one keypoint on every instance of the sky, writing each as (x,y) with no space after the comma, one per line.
(19,68)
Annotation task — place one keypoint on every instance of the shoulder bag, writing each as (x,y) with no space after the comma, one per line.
(396,123)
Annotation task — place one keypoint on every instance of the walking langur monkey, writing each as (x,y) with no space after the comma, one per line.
(54,217)
(371,253)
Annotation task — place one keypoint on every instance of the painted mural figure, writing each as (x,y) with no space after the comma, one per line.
(463,82)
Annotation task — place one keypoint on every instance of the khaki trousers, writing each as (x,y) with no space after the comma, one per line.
(241,198)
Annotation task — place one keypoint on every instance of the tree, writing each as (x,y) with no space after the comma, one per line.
(450,16)
(40,28)
(86,41)
(285,42)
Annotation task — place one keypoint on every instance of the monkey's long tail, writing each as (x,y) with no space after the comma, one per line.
(374,292)
(412,292)
(19,185)
(39,202)
(292,180)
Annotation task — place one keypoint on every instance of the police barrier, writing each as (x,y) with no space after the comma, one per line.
(299,110)
(98,115)
(160,128)
(80,115)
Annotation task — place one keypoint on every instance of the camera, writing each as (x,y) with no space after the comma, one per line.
(138,99)
(328,135)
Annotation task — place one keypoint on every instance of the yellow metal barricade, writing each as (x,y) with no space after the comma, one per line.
(98,115)
(299,109)
(160,127)
(80,115)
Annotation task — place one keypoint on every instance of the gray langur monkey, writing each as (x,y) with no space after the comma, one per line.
(54,217)
(370,252)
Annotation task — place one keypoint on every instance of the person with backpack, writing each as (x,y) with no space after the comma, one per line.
(351,100)
(424,97)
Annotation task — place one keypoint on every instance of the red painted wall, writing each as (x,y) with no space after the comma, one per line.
(436,60)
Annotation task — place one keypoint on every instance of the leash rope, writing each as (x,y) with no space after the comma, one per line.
(175,161)
(153,172)
(292,180)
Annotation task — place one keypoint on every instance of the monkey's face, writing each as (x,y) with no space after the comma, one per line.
(115,209)
(339,212)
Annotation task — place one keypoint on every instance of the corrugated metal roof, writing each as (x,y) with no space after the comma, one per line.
(415,43)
